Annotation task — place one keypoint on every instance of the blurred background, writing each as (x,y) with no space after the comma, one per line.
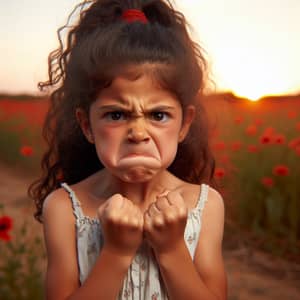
(253,103)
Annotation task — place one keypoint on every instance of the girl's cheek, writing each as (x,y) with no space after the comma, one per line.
(102,130)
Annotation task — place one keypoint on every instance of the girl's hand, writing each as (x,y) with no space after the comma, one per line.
(164,222)
(122,224)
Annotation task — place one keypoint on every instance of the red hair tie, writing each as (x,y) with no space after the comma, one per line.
(134,15)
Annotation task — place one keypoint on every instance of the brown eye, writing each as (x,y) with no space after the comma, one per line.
(115,115)
(159,116)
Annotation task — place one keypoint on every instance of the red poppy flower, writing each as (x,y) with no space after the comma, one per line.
(251,130)
(219,146)
(279,139)
(26,151)
(298,126)
(253,149)
(294,143)
(265,139)
(6,224)
(237,145)
(281,170)
(238,120)
(267,181)
(219,173)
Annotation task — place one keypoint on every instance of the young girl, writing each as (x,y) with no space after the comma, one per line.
(134,217)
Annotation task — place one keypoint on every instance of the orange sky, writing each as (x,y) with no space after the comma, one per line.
(253,46)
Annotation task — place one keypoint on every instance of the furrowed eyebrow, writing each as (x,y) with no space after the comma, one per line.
(121,107)
(112,107)
(117,102)
(161,107)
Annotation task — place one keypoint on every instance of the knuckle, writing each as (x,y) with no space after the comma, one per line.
(152,205)
(152,210)
(128,203)
(112,219)
(170,217)
(134,223)
(124,220)
(172,195)
(158,222)
(182,212)
(116,197)
(160,201)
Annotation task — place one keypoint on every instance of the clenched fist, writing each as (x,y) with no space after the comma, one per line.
(165,221)
(122,225)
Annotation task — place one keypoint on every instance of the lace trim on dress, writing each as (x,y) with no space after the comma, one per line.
(197,211)
(77,210)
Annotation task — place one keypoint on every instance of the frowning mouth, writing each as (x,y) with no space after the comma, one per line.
(137,155)
(138,159)
(138,151)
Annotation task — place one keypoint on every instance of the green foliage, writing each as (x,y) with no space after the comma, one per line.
(21,275)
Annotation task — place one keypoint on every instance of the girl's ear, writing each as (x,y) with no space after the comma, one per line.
(188,117)
(84,123)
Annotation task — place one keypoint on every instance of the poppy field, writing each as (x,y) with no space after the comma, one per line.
(256,145)
(22,251)
(257,150)
(20,131)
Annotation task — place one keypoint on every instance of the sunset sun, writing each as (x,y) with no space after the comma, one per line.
(251,72)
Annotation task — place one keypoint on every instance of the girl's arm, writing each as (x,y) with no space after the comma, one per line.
(62,279)
(203,279)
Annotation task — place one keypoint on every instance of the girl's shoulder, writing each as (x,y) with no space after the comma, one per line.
(81,199)
(193,193)
(215,200)
(56,203)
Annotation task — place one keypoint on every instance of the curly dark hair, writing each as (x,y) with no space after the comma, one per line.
(94,51)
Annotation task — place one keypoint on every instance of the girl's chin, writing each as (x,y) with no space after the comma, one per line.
(136,169)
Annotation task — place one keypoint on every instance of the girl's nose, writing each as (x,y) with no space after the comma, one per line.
(137,131)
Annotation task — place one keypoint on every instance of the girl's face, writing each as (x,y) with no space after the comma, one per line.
(136,127)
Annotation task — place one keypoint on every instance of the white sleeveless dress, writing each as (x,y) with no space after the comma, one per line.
(142,281)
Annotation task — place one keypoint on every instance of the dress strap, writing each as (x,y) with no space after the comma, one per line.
(203,197)
(75,202)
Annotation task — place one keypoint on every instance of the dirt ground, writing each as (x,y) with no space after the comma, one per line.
(251,274)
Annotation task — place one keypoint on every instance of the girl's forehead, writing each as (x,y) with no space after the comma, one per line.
(154,72)
(137,94)
(144,86)
(142,81)
(124,82)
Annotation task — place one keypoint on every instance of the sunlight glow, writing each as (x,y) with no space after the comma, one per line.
(252,46)
(252,75)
